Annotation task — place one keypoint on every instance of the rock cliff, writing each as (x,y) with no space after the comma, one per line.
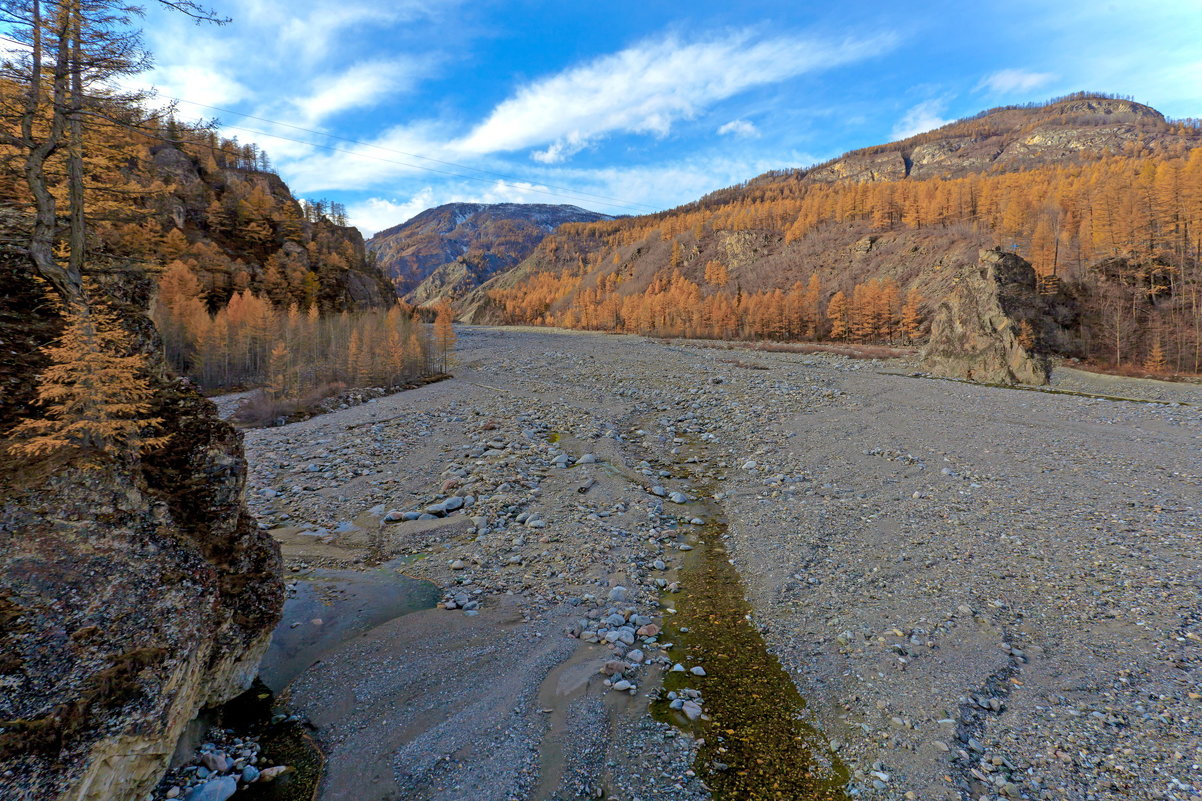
(987,328)
(131,595)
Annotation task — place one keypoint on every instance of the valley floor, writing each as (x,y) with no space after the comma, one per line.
(980,592)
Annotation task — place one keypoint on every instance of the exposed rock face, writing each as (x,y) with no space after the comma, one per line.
(858,168)
(453,279)
(131,596)
(1008,138)
(465,244)
(977,329)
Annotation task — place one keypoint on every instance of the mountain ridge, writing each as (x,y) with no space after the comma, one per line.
(449,249)
(1059,183)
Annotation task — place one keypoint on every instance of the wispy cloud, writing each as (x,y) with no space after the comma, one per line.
(659,185)
(374,163)
(1009,81)
(739,128)
(650,86)
(925,116)
(362,85)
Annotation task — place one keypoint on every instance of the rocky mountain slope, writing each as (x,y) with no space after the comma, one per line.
(449,250)
(238,226)
(1057,183)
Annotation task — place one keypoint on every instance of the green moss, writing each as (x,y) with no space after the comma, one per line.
(756,744)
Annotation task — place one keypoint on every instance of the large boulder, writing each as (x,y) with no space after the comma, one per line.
(985,329)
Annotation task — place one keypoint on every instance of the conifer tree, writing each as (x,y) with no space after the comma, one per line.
(911,320)
(1156,363)
(444,333)
(837,315)
(94,394)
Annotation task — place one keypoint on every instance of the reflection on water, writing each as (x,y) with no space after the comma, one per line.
(329,607)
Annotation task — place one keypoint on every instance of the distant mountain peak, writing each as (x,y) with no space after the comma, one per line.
(460,245)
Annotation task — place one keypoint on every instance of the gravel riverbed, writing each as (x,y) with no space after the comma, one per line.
(980,592)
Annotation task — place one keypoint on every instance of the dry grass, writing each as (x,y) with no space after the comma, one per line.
(263,410)
(1137,371)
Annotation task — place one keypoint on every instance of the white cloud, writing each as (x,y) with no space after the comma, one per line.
(560,151)
(739,128)
(376,213)
(648,87)
(307,31)
(373,164)
(1013,80)
(363,84)
(198,84)
(923,117)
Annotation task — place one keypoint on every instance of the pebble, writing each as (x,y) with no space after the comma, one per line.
(272,773)
(218,789)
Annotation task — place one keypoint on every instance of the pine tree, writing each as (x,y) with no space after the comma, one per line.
(95,394)
(911,320)
(1156,363)
(444,333)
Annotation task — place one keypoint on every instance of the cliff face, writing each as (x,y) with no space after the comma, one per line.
(449,250)
(131,595)
(1004,139)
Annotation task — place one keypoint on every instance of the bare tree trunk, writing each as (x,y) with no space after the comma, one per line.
(45,222)
(75,178)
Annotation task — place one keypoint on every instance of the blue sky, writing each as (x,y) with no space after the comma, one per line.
(627,107)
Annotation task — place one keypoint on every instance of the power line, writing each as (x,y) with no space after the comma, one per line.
(505,180)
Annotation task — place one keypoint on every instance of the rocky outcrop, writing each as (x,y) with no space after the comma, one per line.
(858,168)
(132,595)
(1006,138)
(986,329)
(451,281)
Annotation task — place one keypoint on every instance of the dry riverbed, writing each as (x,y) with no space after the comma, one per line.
(978,592)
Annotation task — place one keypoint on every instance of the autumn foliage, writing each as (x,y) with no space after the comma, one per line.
(94,397)
(251,343)
(1118,235)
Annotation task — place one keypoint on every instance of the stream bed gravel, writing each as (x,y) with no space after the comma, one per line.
(979,592)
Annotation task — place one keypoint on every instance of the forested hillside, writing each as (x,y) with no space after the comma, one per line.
(1102,195)
(449,250)
(162,193)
